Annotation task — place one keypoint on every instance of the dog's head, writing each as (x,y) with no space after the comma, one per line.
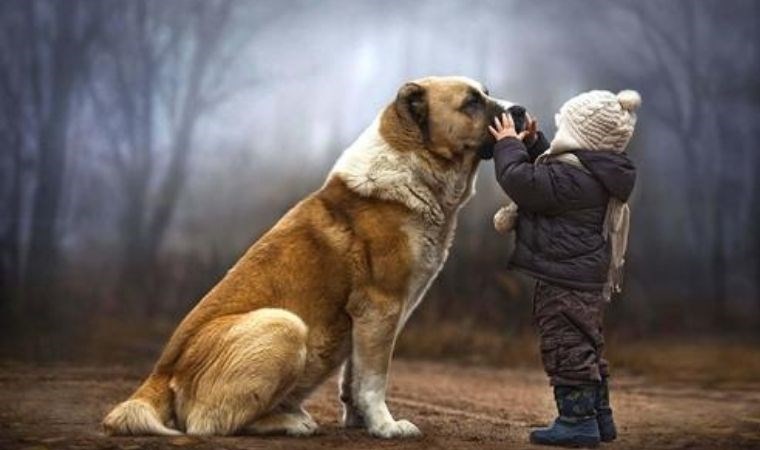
(449,116)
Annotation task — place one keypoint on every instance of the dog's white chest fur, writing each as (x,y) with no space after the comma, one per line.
(372,168)
(430,243)
(430,248)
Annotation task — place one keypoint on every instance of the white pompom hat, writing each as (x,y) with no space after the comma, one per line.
(596,120)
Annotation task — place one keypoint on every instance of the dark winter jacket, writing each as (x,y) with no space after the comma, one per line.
(561,211)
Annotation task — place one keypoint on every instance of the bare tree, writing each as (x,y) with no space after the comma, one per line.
(696,67)
(12,162)
(676,46)
(43,70)
(162,82)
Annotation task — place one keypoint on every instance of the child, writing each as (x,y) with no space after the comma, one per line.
(572,231)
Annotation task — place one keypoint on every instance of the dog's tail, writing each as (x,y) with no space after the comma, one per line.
(146,412)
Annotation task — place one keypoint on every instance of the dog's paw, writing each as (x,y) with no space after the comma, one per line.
(291,424)
(304,426)
(396,429)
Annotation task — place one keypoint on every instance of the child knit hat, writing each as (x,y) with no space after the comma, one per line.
(597,120)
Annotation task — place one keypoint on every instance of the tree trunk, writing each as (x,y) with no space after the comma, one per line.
(43,249)
(53,86)
(145,229)
(10,240)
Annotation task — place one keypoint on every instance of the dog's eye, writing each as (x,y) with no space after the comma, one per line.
(472,104)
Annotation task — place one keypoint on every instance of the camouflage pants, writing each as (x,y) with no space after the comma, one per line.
(569,323)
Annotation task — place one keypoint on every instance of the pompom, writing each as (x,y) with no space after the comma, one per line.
(505,218)
(629,100)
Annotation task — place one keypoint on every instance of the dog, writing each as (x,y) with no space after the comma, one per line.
(330,285)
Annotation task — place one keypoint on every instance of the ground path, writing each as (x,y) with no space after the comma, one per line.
(60,406)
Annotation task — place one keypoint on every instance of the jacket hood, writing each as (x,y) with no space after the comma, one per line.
(614,170)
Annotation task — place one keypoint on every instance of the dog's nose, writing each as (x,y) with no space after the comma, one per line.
(516,110)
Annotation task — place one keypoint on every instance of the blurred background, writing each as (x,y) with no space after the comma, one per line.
(144,145)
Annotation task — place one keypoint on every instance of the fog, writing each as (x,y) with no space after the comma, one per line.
(146,144)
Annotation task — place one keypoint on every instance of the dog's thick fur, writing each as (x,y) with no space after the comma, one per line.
(332,283)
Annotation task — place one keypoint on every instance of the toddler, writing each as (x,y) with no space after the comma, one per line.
(571,235)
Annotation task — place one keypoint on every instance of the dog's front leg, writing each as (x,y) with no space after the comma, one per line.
(375,320)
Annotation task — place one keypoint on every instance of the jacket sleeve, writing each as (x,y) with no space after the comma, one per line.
(527,184)
(539,146)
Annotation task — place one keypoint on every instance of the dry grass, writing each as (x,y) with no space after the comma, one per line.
(727,364)
(707,362)
(468,344)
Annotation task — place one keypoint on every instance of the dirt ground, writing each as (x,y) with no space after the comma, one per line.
(456,407)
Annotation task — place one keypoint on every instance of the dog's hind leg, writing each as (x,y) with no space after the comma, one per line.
(286,418)
(237,369)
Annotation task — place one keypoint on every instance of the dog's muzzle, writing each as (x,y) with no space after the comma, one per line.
(518,114)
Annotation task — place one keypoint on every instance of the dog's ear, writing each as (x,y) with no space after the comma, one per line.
(412,106)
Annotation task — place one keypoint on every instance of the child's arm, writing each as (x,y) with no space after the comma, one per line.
(539,145)
(527,184)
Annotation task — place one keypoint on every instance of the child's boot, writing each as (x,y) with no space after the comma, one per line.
(576,425)
(607,430)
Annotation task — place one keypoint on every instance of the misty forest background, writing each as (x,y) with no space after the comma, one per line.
(144,145)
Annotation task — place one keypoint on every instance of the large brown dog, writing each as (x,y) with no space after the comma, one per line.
(332,283)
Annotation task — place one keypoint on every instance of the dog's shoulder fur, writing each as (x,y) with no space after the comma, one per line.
(383,164)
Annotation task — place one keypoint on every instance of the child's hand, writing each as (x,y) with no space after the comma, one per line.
(531,131)
(505,128)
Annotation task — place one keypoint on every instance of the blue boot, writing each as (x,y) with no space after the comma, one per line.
(576,425)
(607,430)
